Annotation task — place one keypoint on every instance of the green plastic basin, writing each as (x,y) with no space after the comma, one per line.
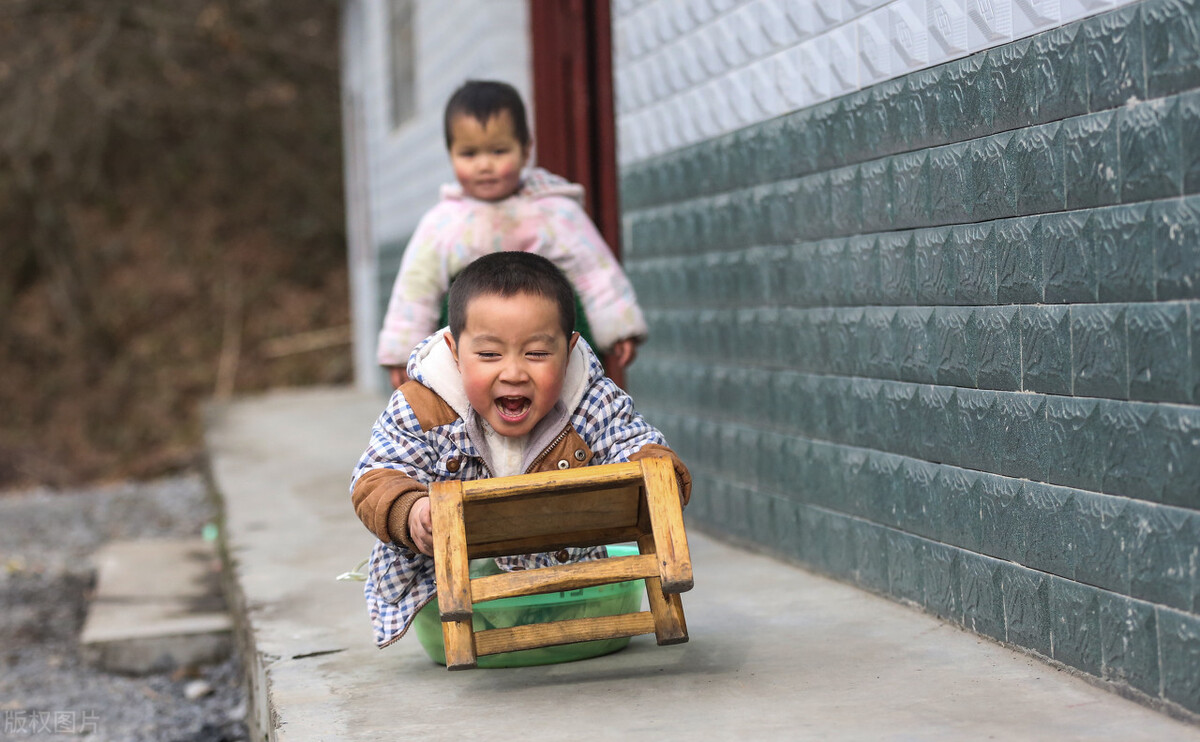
(601,600)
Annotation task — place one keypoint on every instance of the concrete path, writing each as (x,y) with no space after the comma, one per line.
(776,653)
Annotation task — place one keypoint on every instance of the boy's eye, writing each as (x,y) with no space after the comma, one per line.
(486,354)
(538,354)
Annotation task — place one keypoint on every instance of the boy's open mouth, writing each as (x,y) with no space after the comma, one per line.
(512,409)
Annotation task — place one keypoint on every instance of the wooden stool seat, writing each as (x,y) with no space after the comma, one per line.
(548,511)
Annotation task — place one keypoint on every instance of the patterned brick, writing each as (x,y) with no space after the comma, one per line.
(936,407)
(1003,529)
(1158,352)
(870,561)
(1132,466)
(1175,231)
(1075,624)
(1176,432)
(1026,598)
(1151,158)
(1179,648)
(905,566)
(1010,98)
(1129,643)
(949,179)
(877,195)
(1020,270)
(1172,43)
(1054,70)
(954,351)
(1189,141)
(991,177)
(942,593)
(1046,349)
(912,189)
(876,345)
(974,270)
(1073,434)
(1115,58)
(1120,240)
(845,198)
(956,498)
(1050,546)
(935,266)
(1099,362)
(911,328)
(1095,525)
(983,607)
(963,106)
(897,268)
(1035,162)
(999,331)
(1165,546)
(1092,160)
(1069,264)
(975,426)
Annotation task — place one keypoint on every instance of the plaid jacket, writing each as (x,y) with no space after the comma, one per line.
(401,581)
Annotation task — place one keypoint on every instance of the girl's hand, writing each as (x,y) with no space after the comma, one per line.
(420,526)
(623,352)
(398,376)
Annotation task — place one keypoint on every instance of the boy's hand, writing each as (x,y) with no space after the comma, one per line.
(398,375)
(420,526)
(623,352)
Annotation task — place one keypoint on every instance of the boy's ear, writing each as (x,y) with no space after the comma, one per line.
(450,342)
(571,342)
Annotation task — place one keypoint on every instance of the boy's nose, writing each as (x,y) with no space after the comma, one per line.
(513,372)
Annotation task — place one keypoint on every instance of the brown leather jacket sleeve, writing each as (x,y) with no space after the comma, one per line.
(651,450)
(383,498)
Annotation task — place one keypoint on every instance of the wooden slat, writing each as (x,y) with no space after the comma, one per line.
(530,636)
(450,559)
(563,577)
(584,478)
(670,627)
(553,542)
(459,641)
(550,513)
(666,520)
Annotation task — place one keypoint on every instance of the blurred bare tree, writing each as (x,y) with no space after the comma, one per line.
(170,202)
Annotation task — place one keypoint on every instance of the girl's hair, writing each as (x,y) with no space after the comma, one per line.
(508,273)
(482,99)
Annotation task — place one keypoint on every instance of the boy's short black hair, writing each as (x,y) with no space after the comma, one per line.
(509,273)
(482,99)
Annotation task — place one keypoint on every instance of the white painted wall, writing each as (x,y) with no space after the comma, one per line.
(690,70)
(404,167)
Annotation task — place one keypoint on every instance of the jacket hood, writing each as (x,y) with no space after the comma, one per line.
(536,183)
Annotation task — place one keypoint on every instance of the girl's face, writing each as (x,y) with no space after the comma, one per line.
(487,158)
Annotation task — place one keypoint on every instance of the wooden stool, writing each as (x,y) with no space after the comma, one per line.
(530,513)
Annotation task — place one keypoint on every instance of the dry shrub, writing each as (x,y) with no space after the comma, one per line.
(170,196)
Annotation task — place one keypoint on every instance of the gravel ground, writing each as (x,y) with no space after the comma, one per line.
(47,540)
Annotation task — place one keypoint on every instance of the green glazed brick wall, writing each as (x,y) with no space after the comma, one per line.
(941,338)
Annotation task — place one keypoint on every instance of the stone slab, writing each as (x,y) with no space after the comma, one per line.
(158,605)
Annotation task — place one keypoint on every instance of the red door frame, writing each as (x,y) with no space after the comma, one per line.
(574,121)
(573,112)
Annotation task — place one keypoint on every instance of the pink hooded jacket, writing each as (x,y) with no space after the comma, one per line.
(544,216)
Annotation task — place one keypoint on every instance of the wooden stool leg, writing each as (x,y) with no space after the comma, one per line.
(667,609)
(453,570)
(666,522)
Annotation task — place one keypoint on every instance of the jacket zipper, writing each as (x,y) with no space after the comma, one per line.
(546,452)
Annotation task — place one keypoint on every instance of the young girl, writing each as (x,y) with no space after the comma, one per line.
(497,206)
